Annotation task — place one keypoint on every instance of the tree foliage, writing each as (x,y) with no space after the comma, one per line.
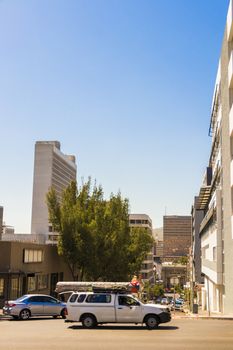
(95,238)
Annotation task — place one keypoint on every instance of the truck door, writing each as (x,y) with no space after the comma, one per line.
(128,309)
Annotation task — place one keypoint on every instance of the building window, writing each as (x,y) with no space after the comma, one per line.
(31,284)
(14,287)
(1,287)
(42,281)
(205,252)
(32,255)
(214,253)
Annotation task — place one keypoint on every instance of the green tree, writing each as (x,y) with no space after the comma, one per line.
(183,260)
(95,238)
(111,240)
(141,242)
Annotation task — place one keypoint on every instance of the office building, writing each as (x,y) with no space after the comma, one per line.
(144,221)
(176,235)
(176,248)
(52,168)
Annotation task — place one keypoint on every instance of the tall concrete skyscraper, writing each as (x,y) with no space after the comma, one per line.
(51,168)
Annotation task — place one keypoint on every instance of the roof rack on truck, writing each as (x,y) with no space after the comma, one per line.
(97,287)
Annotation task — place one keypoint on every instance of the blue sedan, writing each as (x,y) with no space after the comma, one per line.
(34,305)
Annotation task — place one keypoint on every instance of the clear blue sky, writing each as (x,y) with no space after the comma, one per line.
(125,85)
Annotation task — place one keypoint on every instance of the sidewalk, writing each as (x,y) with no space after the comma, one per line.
(4,317)
(202,314)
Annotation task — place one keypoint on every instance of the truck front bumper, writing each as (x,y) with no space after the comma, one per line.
(165,317)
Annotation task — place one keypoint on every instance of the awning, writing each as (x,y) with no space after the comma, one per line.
(203,197)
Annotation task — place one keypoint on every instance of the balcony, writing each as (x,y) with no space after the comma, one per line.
(230,71)
(230,22)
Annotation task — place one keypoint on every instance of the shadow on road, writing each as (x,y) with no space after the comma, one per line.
(31,319)
(133,328)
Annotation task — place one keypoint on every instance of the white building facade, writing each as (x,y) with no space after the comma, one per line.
(216,196)
(54,169)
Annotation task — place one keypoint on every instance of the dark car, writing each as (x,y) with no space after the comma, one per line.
(30,305)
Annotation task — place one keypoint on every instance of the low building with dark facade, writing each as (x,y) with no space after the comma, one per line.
(29,268)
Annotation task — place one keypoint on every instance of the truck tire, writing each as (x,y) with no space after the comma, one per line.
(89,321)
(152,322)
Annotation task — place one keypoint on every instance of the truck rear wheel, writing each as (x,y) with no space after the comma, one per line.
(89,321)
(152,322)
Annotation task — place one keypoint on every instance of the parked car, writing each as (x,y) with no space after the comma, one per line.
(34,305)
(179,304)
(164,301)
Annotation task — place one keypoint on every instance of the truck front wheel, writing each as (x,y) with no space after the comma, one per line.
(152,322)
(89,321)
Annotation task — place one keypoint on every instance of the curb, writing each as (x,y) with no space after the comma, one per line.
(203,317)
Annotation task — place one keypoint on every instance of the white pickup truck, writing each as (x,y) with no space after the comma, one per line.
(93,308)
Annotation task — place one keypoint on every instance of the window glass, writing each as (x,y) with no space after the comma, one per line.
(36,299)
(39,255)
(128,301)
(1,287)
(14,287)
(30,256)
(81,298)
(73,298)
(31,284)
(33,255)
(42,281)
(98,298)
(49,300)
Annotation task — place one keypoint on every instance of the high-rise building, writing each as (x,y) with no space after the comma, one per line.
(52,168)
(216,198)
(176,235)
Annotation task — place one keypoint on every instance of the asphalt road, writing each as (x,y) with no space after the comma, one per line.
(46,334)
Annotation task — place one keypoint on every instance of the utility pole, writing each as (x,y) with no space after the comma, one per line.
(191,281)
